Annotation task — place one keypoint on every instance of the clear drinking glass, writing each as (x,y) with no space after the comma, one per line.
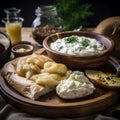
(13,23)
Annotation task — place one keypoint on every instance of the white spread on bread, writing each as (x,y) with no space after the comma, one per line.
(76,86)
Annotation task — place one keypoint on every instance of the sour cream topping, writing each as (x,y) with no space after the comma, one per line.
(22,50)
(77,45)
(76,86)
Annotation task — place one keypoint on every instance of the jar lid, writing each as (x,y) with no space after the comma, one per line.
(38,11)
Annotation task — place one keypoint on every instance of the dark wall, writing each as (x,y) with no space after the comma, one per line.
(27,8)
(101,8)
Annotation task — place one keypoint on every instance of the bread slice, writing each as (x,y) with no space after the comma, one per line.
(105,80)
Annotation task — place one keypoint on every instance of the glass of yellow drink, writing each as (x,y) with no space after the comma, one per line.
(14,31)
(13,24)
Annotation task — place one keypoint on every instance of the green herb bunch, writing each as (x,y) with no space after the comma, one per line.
(73,13)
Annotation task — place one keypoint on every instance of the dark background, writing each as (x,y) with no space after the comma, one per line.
(102,9)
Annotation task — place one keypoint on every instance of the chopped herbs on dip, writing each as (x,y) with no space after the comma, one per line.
(71,39)
(77,45)
(85,42)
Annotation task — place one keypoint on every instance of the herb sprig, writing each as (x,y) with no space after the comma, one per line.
(85,42)
(71,39)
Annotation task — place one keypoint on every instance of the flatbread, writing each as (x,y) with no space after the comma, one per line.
(24,86)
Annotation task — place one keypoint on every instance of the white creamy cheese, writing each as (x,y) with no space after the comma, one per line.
(77,45)
(22,50)
(76,86)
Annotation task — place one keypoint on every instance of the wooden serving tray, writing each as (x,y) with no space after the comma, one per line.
(50,105)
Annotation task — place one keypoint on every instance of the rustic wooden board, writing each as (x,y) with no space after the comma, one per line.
(50,105)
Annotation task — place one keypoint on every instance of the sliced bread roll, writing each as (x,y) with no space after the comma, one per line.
(105,80)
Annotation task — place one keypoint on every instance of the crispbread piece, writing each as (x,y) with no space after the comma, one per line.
(93,74)
(106,80)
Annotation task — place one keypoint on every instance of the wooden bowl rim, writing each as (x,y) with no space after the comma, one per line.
(107,51)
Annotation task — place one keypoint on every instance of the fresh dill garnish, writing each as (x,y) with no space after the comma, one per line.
(85,42)
(71,39)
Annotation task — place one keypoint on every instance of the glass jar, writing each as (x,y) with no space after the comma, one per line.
(46,22)
(46,15)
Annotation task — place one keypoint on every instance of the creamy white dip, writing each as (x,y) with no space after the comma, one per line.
(76,86)
(21,50)
(77,45)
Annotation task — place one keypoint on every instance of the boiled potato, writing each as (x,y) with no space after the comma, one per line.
(52,67)
(35,60)
(41,70)
(47,79)
(38,60)
(28,64)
